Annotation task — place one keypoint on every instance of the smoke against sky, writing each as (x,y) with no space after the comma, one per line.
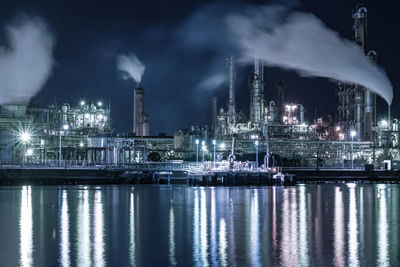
(26,59)
(183,49)
(131,67)
(303,43)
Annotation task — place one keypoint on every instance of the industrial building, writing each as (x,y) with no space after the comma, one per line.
(274,131)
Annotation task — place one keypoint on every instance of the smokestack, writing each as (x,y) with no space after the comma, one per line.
(389,118)
(138,111)
(214,115)
(232,80)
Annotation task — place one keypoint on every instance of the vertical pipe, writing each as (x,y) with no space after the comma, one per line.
(232,80)
(214,115)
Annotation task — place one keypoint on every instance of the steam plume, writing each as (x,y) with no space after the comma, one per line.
(131,67)
(304,44)
(26,62)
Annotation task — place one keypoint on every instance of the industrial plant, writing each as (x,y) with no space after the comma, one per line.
(274,132)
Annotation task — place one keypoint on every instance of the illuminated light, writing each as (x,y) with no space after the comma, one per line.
(222,145)
(353,133)
(294,118)
(287,106)
(25,137)
(256,143)
(284,118)
(87,115)
(99,103)
(81,144)
(82,103)
(214,142)
(203,148)
(383,123)
(338,128)
(254,136)
(293,107)
(29,152)
(100,116)
(65,127)
(197,141)
(41,142)
(203,143)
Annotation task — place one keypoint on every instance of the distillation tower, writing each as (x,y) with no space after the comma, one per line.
(357,104)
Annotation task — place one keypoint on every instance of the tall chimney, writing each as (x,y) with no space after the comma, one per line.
(138,110)
(232,80)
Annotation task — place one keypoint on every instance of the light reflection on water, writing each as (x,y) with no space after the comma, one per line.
(64,230)
(352,227)
(25,227)
(306,225)
(132,230)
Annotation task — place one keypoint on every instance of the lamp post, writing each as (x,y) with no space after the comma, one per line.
(256,143)
(214,142)
(197,150)
(64,127)
(203,148)
(352,134)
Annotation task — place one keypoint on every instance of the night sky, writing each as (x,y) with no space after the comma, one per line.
(181,43)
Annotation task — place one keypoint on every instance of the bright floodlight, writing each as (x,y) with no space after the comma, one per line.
(82,103)
(214,142)
(99,103)
(197,141)
(222,145)
(256,142)
(203,143)
(29,152)
(353,133)
(65,127)
(25,137)
(384,123)
(203,147)
(81,144)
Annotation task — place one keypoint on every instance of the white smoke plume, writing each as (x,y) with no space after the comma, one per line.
(26,59)
(213,81)
(131,67)
(304,44)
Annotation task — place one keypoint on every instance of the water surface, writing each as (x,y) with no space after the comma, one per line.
(304,225)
